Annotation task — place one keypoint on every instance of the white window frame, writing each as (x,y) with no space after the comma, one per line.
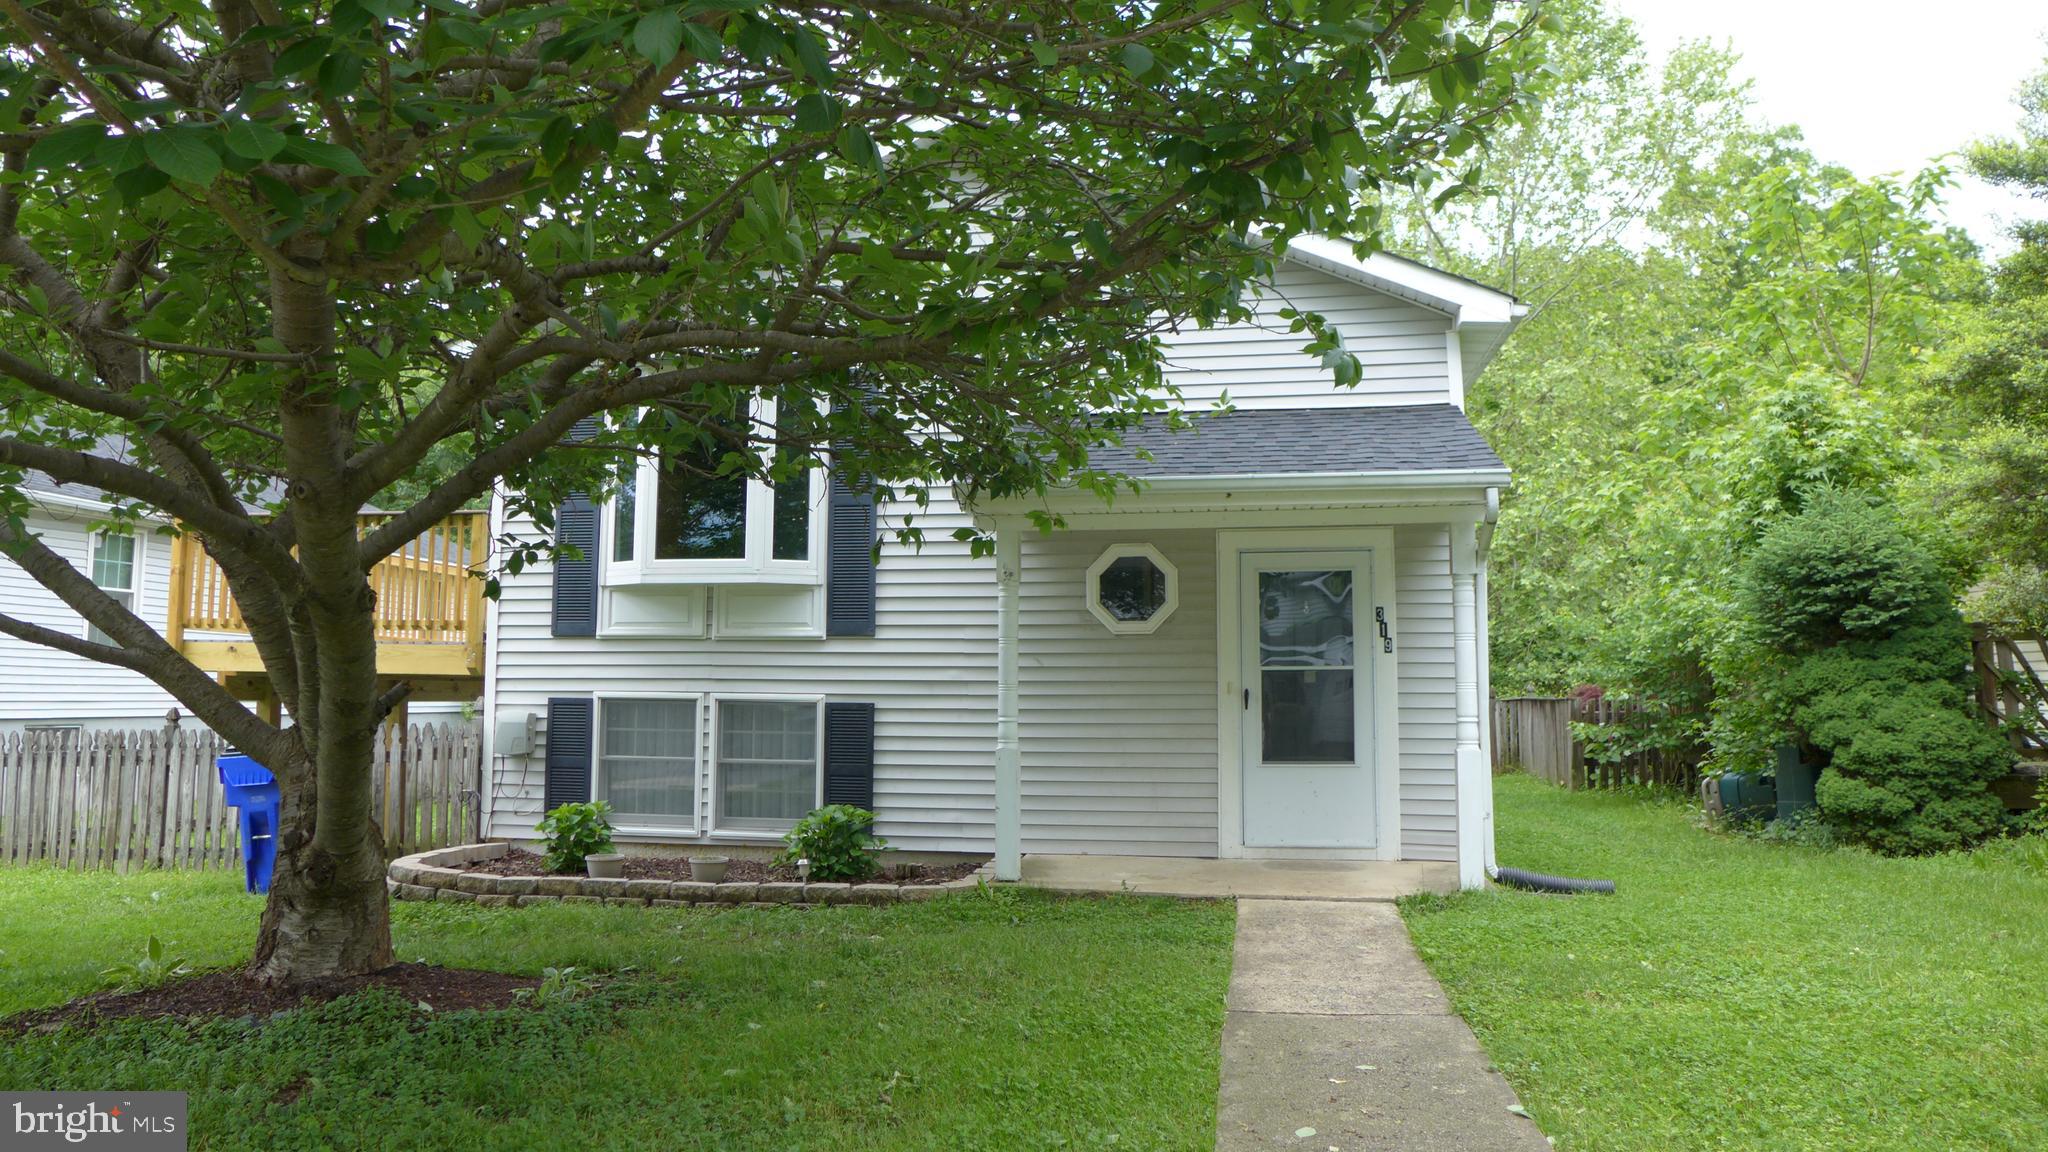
(714,764)
(135,570)
(1090,590)
(758,566)
(696,823)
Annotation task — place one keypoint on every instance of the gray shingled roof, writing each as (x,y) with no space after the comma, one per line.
(1309,441)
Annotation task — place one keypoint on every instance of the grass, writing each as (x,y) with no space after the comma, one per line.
(1009,1020)
(1743,995)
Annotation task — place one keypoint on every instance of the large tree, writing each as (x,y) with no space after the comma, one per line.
(1996,372)
(294,254)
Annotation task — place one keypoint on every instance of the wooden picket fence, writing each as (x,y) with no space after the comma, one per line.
(426,786)
(1535,734)
(153,799)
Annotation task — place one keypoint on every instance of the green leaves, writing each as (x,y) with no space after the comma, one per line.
(254,140)
(1137,59)
(321,154)
(818,112)
(659,35)
(184,152)
(67,146)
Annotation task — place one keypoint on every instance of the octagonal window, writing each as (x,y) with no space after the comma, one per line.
(1132,588)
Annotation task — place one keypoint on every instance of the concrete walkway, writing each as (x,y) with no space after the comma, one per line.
(1338,1038)
(1381,880)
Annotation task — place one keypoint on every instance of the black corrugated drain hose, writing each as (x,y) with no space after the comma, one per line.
(1538,882)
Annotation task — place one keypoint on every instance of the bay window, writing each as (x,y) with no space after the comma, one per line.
(678,520)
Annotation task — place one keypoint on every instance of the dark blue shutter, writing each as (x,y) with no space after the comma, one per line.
(850,754)
(849,560)
(575,612)
(568,752)
(576,579)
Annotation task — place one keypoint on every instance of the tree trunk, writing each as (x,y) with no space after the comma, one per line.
(328,915)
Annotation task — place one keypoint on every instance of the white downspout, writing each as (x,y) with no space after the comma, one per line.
(1009,570)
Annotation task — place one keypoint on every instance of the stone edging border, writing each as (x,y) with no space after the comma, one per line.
(437,875)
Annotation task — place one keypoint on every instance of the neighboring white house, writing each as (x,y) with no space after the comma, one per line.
(44,688)
(1275,650)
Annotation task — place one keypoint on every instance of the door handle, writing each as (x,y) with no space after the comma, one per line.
(1247,699)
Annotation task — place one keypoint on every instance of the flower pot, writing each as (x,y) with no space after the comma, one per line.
(708,869)
(605,865)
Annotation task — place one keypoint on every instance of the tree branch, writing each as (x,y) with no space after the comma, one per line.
(142,649)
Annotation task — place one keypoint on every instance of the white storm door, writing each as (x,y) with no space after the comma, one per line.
(1308,770)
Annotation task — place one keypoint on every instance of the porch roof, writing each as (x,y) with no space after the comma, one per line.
(1304,442)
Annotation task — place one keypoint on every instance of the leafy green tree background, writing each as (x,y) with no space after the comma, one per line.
(1724,324)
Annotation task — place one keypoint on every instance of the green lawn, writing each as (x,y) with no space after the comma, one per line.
(1740,995)
(1017,1022)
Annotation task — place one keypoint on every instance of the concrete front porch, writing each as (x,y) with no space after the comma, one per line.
(1379,881)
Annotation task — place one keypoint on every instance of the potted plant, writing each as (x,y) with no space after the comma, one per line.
(709,869)
(578,837)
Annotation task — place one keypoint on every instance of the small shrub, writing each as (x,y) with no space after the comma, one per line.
(574,831)
(1840,570)
(152,968)
(837,839)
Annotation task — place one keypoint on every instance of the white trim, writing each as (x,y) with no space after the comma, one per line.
(1454,367)
(1212,497)
(756,565)
(1386,671)
(1091,589)
(1474,778)
(1331,481)
(1464,301)
(137,566)
(712,825)
(696,699)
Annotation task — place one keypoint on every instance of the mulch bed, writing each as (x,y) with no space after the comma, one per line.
(519,862)
(231,994)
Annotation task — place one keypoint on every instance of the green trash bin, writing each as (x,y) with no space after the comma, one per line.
(1748,796)
(1796,778)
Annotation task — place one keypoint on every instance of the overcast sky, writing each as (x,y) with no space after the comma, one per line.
(1878,85)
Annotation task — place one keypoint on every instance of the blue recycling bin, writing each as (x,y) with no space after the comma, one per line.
(252,790)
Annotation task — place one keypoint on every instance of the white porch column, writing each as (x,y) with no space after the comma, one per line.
(1009,570)
(1474,778)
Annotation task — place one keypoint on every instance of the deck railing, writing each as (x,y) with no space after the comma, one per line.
(426,593)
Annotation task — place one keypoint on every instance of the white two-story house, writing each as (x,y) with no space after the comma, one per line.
(1275,650)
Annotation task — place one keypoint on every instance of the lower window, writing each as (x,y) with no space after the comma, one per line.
(767,762)
(647,768)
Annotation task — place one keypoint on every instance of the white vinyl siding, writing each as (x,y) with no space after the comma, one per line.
(1428,699)
(929,670)
(1117,733)
(43,686)
(1404,350)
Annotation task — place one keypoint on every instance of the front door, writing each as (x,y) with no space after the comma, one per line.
(1308,774)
